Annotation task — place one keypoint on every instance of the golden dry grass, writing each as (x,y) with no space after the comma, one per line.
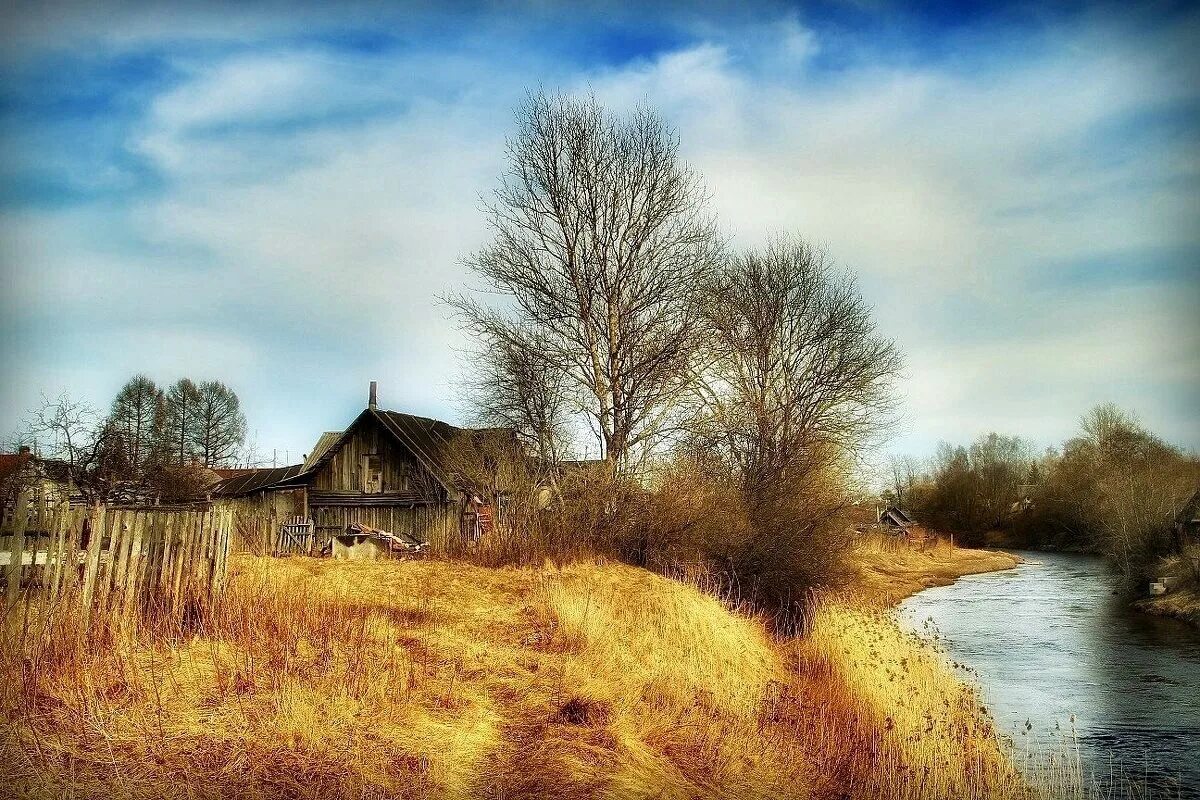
(887,571)
(918,732)
(438,679)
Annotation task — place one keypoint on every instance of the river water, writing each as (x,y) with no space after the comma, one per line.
(1051,645)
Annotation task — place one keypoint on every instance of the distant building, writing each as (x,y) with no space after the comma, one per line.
(386,471)
(895,520)
(29,481)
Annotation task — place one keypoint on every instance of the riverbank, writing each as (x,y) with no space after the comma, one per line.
(885,572)
(1182,604)
(435,679)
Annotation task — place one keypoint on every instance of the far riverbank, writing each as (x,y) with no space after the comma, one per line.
(888,572)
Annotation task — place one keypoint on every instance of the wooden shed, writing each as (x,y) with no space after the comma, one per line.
(387,470)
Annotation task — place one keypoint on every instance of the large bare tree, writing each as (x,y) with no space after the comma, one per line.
(219,425)
(794,381)
(136,418)
(795,372)
(600,238)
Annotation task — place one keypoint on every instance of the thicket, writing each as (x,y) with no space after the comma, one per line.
(1115,488)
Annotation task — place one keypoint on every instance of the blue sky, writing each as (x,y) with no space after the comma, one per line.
(276,195)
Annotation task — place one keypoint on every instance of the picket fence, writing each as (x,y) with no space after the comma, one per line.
(115,559)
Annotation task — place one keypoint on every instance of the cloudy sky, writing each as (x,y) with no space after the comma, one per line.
(276,197)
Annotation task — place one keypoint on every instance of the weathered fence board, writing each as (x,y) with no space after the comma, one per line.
(115,559)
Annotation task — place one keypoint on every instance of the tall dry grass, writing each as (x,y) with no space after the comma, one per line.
(438,679)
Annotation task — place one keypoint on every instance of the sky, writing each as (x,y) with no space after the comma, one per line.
(276,196)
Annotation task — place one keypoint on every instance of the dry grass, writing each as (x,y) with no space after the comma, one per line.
(888,570)
(438,679)
(894,721)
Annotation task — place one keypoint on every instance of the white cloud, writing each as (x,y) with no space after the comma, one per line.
(316,204)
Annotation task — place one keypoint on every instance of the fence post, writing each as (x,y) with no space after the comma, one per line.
(91,565)
(164,567)
(133,562)
(16,558)
(117,546)
(224,525)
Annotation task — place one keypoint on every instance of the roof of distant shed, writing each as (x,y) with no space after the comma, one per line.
(254,480)
(896,516)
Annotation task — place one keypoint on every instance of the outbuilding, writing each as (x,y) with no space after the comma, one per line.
(388,471)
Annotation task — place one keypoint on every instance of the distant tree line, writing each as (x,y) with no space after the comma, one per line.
(724,395)
(1114,488)
(151,444)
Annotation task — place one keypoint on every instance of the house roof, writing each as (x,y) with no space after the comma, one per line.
(11,463)
(1190,513)
(429,440)
(328,439)
(231,472)
(254,480)
(896,516)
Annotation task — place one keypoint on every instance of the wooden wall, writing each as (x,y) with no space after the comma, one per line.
(438,523)
(344,471)
(256,518)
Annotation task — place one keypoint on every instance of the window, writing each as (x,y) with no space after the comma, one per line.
(372,474)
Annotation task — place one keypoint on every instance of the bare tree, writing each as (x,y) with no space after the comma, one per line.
(796,373)
(905,472)
(794,381)
(78,445)
(180,407)
(600,238)
(514,385)
(135,419)
(219,429)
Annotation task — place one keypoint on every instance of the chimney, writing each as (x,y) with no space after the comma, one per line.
(373,403)
(23,450)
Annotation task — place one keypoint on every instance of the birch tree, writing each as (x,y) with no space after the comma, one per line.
(600,238)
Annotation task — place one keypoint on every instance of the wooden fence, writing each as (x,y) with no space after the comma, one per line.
(296,536)
(115,559)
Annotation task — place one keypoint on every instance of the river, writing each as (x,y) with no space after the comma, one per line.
(1051,645)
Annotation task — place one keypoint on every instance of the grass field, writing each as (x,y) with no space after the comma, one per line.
(318,678)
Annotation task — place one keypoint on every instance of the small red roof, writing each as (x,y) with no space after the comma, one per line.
(11,462)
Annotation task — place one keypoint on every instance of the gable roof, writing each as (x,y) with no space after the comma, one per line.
(328,439)
(895,516)
(429,440)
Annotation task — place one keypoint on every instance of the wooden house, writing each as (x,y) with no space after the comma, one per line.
(895,520)
(386,470)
